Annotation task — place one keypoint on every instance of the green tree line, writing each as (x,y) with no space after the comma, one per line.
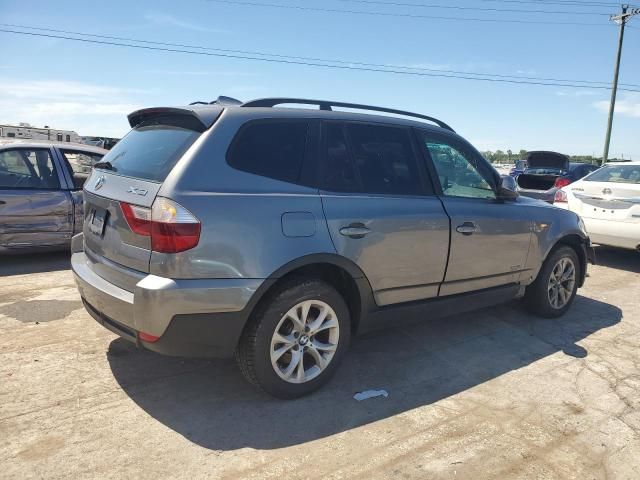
(510,157)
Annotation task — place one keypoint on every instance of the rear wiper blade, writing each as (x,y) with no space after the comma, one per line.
(104,165)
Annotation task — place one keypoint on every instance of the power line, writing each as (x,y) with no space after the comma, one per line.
(314,59)
(401,15)
(479,9)
(560,2)
(312,64)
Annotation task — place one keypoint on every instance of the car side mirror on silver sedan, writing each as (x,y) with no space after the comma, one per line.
(507,188)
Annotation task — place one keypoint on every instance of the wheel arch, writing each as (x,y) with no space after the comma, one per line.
(341,273)
(578,244)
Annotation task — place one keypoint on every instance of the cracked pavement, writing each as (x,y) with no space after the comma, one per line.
(496,393)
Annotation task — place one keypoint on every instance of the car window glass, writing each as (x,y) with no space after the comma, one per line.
(24,168)
(271,149)
(458,171)
(384,159)
(81,162)
(338,174)
(616,174)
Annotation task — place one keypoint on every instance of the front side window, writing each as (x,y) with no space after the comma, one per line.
(459,171)
(374,159)
(616,174)
(28,169)
(273,149)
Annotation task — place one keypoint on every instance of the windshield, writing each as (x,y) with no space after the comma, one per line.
(616,174)
(149,152)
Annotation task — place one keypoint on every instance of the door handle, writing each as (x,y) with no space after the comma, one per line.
(355,230)
(467,228)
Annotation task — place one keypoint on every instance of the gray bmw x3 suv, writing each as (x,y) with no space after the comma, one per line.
(275,233)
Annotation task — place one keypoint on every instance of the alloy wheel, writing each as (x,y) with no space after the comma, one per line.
(561,283)
(305,341)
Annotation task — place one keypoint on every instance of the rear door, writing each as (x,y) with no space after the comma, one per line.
(34,209)
(131,173)
(381,210)
(489,238)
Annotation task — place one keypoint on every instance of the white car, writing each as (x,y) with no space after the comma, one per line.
(608,201)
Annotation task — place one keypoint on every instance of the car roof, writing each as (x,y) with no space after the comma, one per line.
(8,143)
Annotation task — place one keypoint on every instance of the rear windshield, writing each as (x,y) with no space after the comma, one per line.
(150,152)
(616,174)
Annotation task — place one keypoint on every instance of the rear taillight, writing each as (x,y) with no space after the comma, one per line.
(561,182)
(560,197)
(172,227)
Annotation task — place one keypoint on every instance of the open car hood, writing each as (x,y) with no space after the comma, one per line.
(541,159)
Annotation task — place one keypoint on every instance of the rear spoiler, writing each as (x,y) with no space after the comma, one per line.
(198,118)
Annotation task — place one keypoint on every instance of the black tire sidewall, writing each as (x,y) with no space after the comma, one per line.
(269,319)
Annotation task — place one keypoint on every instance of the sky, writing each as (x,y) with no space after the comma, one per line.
(90,88)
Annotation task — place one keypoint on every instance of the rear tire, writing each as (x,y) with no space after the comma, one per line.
(554,289)
(295,339)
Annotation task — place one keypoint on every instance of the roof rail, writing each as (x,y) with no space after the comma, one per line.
(326,105)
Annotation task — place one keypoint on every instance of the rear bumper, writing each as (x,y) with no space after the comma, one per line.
(613,233)
(202,317)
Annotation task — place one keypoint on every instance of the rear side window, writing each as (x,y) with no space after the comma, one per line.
(373,159)
(150,152)
(27,169)
(81,162)
(273,149)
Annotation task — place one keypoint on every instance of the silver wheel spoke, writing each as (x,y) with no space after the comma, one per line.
(326,347)
(296,359)
(331,323)
(317,357)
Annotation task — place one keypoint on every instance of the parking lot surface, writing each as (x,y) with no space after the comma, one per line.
(490,394)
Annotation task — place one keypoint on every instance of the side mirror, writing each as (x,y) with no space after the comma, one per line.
(507,188)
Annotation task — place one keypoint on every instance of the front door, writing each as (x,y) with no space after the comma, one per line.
(489,238)
(381,211)
(34,210)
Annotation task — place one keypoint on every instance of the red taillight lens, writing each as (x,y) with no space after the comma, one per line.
(138,218)
(174,237)
(560,197)
(562,182)
(147,337)
(172,227)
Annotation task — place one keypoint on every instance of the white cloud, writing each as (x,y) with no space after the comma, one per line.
(628,106)
(86,108)
(166,20)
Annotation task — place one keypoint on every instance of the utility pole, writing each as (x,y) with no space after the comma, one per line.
(622,20)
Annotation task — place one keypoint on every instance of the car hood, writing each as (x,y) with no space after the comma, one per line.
(547,160)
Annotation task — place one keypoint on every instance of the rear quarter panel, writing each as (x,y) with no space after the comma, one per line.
(241,214)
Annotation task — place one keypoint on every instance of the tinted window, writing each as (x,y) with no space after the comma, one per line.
(370,159)
(384,159)
(271,149)
(459,171)
(150,152)
(616,174)
(24,168)
(337,170)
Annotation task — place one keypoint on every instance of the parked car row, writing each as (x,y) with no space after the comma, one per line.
(41,192)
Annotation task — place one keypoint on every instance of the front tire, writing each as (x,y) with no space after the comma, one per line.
(295,339)
(553,291)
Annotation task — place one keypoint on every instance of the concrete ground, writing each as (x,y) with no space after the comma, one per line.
(493,394)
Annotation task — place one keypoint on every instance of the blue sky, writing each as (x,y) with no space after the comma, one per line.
(90,88)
